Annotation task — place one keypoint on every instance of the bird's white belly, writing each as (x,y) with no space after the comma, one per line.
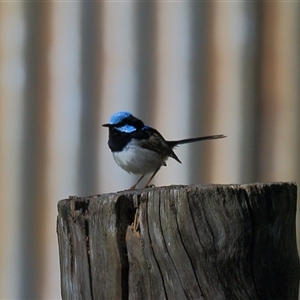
(137,160)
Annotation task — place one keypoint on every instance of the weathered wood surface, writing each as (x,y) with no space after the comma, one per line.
(190,242)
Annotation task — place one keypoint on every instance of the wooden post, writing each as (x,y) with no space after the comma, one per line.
(181,242)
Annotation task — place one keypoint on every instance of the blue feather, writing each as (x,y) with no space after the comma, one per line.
(119,116)
(126,128)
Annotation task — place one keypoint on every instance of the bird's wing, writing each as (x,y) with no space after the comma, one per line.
(152,140)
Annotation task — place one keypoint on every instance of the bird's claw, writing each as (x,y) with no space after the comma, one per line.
(149,186)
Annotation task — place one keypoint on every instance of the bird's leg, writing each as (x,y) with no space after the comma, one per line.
(151,177)
(134,186)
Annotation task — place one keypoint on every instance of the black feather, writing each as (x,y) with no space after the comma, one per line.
(193,140)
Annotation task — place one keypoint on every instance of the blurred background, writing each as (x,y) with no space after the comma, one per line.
(185,68)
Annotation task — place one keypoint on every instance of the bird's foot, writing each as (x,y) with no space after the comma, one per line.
(149,186)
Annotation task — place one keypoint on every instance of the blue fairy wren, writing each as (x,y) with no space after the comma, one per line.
(140,149)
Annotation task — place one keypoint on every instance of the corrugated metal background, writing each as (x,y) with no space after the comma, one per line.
(185,68)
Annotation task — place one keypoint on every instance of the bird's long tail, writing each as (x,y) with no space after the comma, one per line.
(193,140)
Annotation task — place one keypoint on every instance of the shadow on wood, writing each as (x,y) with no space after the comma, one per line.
(181,242)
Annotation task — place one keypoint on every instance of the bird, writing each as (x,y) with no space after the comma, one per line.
(141,149)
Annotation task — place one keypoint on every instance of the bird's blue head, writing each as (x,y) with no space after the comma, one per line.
(119,117)
(125,122)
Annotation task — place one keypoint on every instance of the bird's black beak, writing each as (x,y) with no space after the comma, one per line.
(106,125)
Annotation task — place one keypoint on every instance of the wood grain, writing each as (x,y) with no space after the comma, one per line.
(189,242)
